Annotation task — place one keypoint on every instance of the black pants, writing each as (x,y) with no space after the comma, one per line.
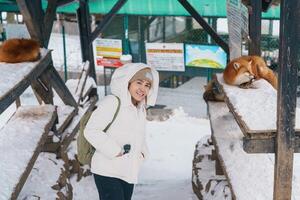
(113,188)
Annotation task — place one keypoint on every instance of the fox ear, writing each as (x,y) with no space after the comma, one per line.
(236,65)
(250,62)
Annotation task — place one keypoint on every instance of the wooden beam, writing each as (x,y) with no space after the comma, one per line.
(149,22)
(286,100)
(60,87)
(83,16)
(107,19)
(205,25)
(48,20)
(43,88)
(255,28)
(265,145)
(64,2)
(32,14)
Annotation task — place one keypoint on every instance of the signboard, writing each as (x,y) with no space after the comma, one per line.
(207,56)
(107,52)
(165,56)
(237,16)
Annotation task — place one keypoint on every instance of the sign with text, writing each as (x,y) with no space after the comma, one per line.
(107,52)
(165,56)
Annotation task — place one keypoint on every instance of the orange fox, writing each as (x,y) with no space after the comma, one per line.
(245,69)
(19,50)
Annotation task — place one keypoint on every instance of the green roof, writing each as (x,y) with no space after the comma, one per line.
(206,8)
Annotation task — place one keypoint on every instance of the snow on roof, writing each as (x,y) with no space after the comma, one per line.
(19,139)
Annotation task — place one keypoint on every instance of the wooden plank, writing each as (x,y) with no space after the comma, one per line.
(261,101)
(251,176)
(69,134)
(60,87)
(251,145)
(65,116)
(21,140)
(82,81)
(83,15)
(287,97)
(48,20)
(28,8)
(42,87)
(8,96)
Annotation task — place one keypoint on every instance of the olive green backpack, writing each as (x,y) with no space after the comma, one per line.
(85,150)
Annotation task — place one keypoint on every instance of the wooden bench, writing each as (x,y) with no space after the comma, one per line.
(22,139)
(243,132)
(250,175)
(255,111)
(15,78)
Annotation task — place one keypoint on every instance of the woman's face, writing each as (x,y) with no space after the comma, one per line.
(139,89)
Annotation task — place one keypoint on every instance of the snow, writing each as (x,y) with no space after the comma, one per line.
(23,132)
(63,112)
(12,74)
(256,106)
(167,174)
(249,174)
(188,96)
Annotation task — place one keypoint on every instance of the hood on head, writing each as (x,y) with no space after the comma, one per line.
(121,78)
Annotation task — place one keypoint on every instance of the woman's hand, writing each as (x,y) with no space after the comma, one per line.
(120,154)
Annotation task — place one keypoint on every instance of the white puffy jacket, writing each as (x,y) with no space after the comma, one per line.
(128,128)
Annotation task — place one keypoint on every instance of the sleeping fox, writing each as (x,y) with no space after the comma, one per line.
(19,50)
(241,72)
(245,69)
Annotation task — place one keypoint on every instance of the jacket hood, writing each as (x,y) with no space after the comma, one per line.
(121,78)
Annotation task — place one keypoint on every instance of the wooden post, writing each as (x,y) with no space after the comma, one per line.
(84,23)
(39,23)
(286,100)
(255,28)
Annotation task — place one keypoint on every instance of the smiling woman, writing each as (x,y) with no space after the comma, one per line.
(121,150)
(139,85)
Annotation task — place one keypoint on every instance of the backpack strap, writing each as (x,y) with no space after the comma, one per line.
(115,115)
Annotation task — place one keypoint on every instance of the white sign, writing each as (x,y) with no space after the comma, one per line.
(108,48)
(237,16)
(165,56)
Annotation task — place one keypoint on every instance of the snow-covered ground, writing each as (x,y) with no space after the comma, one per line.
(166,175)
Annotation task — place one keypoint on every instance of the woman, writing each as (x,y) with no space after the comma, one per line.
(121,150)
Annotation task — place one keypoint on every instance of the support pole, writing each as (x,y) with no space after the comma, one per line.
(255,28)
(83,15)
(65,50)
(126,36)
(286,100)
